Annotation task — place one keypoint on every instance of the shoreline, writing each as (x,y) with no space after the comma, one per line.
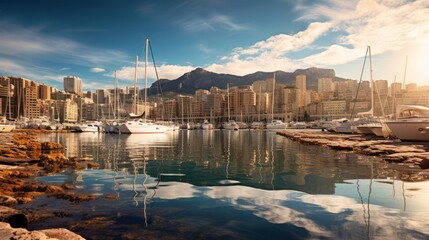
(402,156)
(23,158)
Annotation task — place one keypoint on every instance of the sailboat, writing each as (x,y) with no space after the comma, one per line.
(5,125)
(275,123)
(231,124)
(141,125)
(258,124)
(206,125)
(359,124)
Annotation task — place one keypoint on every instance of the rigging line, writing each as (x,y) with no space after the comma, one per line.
(156,71)
(361,200)
(360,80)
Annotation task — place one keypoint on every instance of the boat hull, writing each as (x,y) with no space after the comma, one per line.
(6,128)
(142,128)
(410,130)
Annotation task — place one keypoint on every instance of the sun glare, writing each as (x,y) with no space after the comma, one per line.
(423,60)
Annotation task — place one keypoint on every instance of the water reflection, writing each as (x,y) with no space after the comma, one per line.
(239,185)
(207,158)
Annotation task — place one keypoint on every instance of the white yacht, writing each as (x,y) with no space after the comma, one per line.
(141,126)
(230,125)
(411,124)
(257,125)
(298,125)
(207,125)
(277,124)
(89,127)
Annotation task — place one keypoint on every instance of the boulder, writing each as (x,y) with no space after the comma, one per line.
(9,232)
(424,164)
(7,201)
(14,217)
(51,146)
(61,233)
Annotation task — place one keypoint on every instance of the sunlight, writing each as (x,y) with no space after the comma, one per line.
(423,59)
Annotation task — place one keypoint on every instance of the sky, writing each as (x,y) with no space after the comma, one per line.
(46,40)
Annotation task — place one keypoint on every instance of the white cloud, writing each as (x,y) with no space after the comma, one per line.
(97,70)
(203,48)
(271,54)
(217,21)
(385,25)
(164,72)
(16,41)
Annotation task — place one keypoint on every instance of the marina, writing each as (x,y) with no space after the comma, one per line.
(245,184)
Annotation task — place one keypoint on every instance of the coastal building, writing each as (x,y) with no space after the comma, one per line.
(301,86)
(325,85)
(73,84)
(381,86)
(68,111)
(335,109)
(45,92)
(395,88)
(214,102)
(247,101)
(411,87)
(31,106)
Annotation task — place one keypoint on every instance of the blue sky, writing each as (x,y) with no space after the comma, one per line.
(47,40)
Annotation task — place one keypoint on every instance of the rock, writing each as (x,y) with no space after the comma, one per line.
(9,232)
(67,186)
(14,217)
(51,146)
(53,189)
(424,164)
(7,201)
(61,233)
(73,197)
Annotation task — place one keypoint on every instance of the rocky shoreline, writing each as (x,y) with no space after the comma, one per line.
(22,158)
(406,156)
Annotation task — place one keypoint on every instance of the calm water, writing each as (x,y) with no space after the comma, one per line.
(231,185)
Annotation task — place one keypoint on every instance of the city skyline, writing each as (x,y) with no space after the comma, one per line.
(45,41)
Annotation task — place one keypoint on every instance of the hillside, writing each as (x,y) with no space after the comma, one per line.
(202,79)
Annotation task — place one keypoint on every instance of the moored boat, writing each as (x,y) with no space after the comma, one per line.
(411,124)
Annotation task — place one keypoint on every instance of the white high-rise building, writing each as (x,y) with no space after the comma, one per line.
(73,84)
(324,85)
(301,86)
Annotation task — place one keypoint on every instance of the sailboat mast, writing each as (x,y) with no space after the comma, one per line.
(372,81)
(145,75)
(227,87)
(259,104)
(135,87)
(8,98)
(115,99)
(272,101)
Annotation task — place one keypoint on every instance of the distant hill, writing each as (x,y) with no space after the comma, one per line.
(202,79)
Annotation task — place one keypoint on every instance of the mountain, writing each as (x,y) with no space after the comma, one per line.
(202,79)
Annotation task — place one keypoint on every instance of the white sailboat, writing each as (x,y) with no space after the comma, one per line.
(275,124)
(258,124)
(141,125)
(231,124)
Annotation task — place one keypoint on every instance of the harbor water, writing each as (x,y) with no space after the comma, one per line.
(230,185)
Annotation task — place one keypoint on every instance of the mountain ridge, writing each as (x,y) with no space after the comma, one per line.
(200,78)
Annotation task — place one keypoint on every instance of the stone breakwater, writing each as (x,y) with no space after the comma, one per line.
(403,155)
(23,157)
